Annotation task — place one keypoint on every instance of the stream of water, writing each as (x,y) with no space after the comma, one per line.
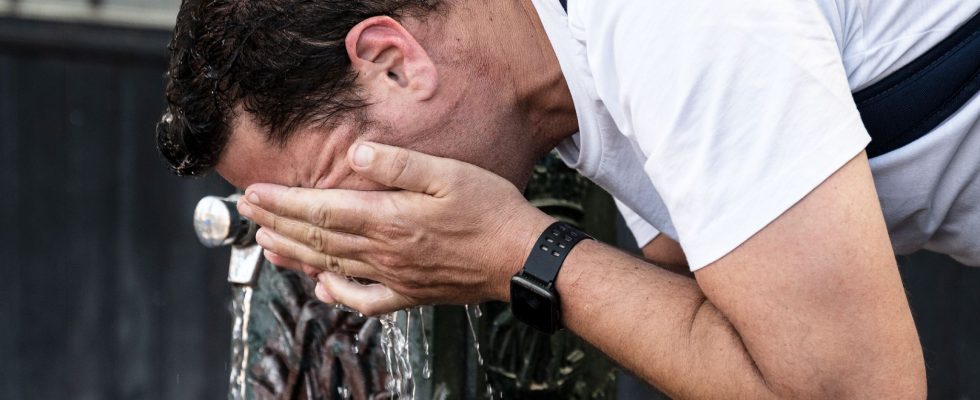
(396,344)
(398,354)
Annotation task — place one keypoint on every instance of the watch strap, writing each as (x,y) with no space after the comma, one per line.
(550,251)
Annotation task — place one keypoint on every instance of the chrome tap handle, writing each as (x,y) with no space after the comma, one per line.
(218,224)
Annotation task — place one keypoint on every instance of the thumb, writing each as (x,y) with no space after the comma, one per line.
(403,169)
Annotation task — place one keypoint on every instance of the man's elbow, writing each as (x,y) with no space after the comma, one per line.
(901,378)
(911,386)
(906,382)
(918,387)
(898,374)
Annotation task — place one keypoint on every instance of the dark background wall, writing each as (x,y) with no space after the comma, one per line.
(104,291)
(945,300)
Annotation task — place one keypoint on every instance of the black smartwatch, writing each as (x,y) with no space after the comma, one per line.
(533,298)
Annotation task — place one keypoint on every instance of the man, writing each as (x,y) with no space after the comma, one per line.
(388,140)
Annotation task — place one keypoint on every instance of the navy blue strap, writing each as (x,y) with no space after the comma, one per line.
(564,4)
(914,100)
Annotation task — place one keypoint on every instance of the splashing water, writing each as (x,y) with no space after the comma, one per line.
(473,312)
(470,316)
(426,369)
(395,346)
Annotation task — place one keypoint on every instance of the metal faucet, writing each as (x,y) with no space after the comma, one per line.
(218,224)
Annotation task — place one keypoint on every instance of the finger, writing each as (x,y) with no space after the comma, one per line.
(404,169)
(289,249)
(327,241)
(370,300)
(342,210)
(322,294)
(289,263)
(283,262)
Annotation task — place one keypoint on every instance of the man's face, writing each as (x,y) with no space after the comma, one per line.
(466,122)
(316,157)
(311,158)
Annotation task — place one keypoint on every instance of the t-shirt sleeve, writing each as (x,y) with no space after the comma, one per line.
(740,108)
(643,232)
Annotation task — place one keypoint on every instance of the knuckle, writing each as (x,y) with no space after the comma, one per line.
(342,265)
(399,165)
(361,225)
(397,232)
(275,222)
(410,284)
(321,214)
(332,264)
(314,237)
(388,260)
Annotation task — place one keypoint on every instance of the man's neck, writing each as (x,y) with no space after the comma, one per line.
(507,52)
(540,87)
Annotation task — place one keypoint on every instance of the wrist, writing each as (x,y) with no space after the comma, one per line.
(524,235)
(534,296)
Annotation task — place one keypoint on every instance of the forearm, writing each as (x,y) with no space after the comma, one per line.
(666,253)
(657,324)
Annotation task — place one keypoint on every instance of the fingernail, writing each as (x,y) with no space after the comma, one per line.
(363,155)
(253,198)
(244,208)
(261,236)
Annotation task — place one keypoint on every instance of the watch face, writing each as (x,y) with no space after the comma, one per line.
(534,305)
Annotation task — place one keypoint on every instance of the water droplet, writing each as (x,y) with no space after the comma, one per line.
(476,339)
(479,357)
(395,346)
(426,369)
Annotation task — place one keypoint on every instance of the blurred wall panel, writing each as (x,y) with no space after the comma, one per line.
(159,14)
(945,301)
(104,291)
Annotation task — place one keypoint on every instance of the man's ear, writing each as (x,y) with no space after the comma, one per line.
(389,61)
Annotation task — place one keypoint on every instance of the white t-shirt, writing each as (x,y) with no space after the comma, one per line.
(709,119)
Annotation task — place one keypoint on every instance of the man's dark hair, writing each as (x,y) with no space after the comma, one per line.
(284,61)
